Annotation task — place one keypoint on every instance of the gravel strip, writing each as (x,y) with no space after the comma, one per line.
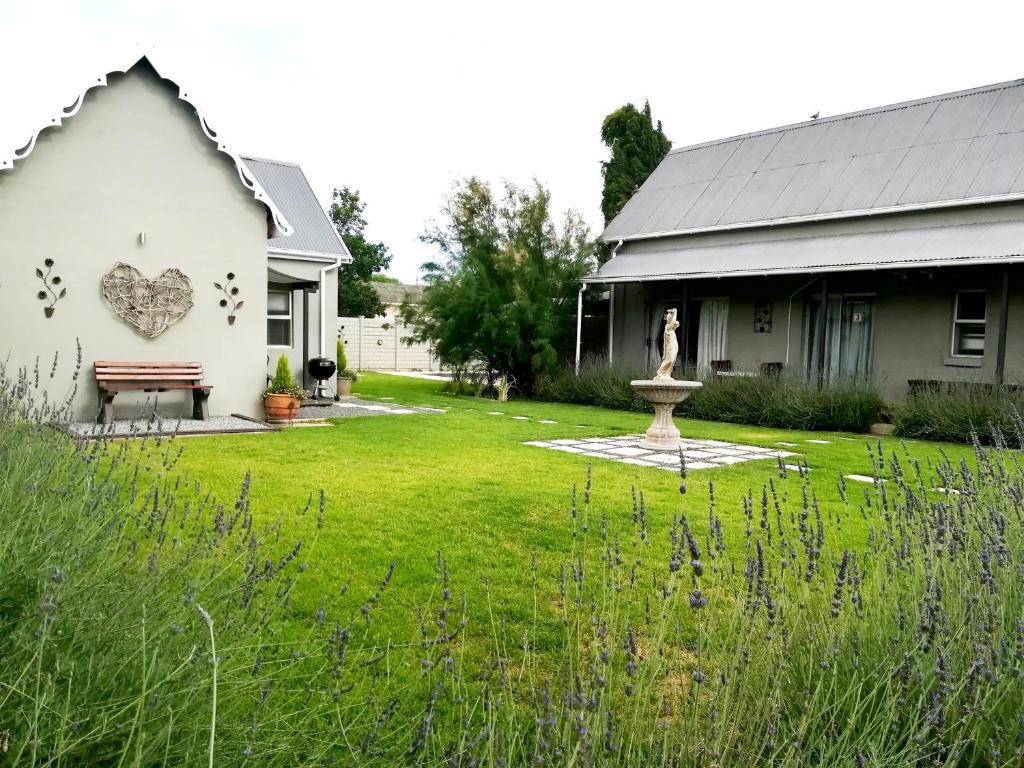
(348,408)
(128,427)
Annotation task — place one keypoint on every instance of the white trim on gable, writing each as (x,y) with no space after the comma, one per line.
(281,226)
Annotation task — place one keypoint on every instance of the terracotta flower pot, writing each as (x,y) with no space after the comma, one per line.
(344,387)
(281,408)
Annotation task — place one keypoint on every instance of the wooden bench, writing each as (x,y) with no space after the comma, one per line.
(114,377)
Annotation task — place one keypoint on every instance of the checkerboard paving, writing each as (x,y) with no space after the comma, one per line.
(699,454)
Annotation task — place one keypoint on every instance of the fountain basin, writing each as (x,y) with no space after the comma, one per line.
(664,394)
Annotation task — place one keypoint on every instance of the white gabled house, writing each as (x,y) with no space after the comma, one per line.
(127,224)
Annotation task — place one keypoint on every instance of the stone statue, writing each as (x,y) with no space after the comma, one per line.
(669,347)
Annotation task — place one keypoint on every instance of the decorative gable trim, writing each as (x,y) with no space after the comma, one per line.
(280,227)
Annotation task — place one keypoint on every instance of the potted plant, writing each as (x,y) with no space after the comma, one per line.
(345,377)
(281,400)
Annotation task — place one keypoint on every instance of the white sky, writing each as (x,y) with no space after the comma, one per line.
(401,99)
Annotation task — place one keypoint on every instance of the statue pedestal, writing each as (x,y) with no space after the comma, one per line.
(664,394)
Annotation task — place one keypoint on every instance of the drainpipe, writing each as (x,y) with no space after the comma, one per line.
(323,304)
(579,323)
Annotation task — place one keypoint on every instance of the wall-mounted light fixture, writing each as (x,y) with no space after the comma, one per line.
(142,238)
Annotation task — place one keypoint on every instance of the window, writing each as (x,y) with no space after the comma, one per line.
(969,312)
(279,318)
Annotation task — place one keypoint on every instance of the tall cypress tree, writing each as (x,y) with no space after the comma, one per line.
(637,146)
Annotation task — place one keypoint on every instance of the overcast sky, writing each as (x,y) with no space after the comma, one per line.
(401,99)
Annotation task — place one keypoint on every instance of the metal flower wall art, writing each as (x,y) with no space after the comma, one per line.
(151,306)
(53,291)
(230,299)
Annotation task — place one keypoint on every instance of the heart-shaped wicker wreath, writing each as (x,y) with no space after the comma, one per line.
(152,306)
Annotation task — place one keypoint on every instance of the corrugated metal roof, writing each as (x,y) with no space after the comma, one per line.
(290,190)
(686,258)
(954,147)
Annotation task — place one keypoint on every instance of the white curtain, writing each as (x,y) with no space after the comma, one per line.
(657,325)
(712,332)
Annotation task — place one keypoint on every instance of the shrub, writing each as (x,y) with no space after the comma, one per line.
(283,383)
(343,371)
(596,384)
(143,622)
(957,414)
(788,402)
(342,359)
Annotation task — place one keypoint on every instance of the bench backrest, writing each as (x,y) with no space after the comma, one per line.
(124,372)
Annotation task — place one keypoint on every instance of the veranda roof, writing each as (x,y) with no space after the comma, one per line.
(275,277)
(933,246)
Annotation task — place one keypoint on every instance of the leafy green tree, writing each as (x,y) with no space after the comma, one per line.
(503,293)
(356,294)
(637,147)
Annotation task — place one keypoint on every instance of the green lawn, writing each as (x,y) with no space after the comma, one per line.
(404,488)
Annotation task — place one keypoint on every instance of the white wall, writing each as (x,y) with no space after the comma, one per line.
(375,343)
(134,159)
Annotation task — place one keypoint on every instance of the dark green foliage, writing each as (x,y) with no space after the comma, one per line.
(637,146)
(502,297)
(597,384)
(789,402)
(356,294)
(958,414)
(786,402)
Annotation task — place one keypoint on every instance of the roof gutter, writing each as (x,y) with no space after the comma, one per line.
(815,269)
(294,255)
(816,217)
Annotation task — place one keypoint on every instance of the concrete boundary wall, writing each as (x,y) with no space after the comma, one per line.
(376,343)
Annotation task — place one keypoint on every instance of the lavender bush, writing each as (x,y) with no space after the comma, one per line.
(145,622)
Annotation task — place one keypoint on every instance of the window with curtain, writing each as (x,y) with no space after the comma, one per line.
(279,318)
(848,338)
(712,332)
(970,309)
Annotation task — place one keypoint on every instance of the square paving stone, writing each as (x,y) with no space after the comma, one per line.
(628,451)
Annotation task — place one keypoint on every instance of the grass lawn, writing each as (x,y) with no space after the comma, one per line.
(404,488)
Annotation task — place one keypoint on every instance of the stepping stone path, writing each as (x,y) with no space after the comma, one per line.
(495,413)
(699,454)
(788,445)
(862,478)
(547,421)
(521,418)
(820,442)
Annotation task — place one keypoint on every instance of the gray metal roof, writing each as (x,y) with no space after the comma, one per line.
(288,188)
(689,258)
(955,148)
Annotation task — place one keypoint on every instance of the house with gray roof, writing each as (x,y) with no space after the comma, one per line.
(131,231)
(882,244)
